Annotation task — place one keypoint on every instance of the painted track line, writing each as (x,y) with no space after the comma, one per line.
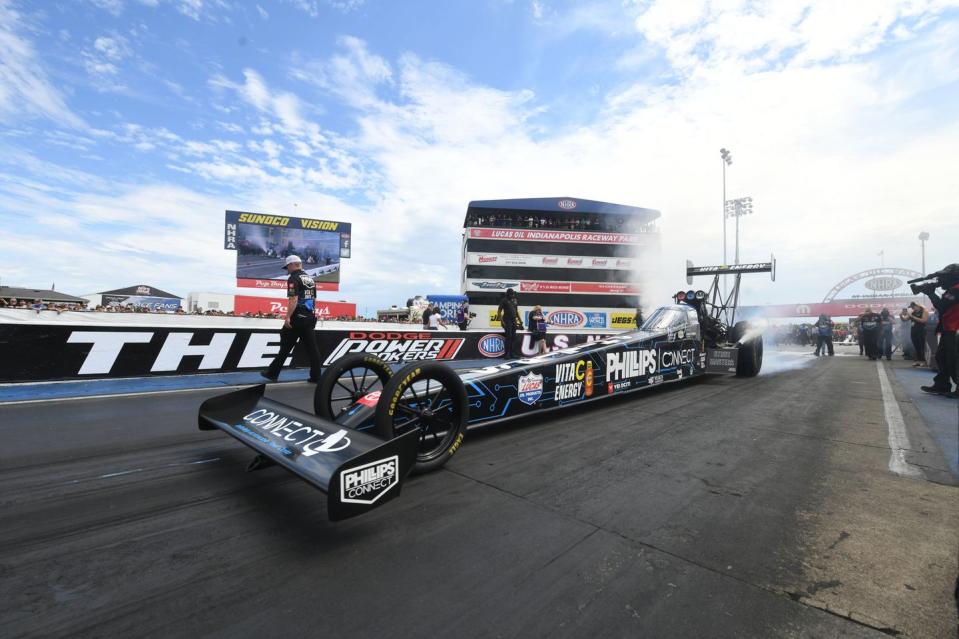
(898,439)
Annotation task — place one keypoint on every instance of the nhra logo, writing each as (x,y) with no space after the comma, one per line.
(398,347)
(566,205)
(492,345)
(566,318)
(367,483)
(530,388)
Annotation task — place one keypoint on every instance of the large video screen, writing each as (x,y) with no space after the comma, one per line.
(262,242)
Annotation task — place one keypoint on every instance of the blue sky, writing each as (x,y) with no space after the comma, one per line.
(129,126)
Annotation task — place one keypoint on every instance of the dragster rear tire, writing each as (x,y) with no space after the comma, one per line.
(355,385)
(750,358)
(431,397)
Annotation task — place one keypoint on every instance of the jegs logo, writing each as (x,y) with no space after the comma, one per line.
(367,483)
(398,346)
(491,345)
(530,388)
(566,318)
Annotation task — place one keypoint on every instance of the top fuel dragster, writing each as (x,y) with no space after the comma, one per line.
(373,425)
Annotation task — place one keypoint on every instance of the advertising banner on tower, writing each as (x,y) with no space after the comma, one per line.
(262,242)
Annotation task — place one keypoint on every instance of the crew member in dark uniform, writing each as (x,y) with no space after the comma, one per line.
(639,318)
(869,322)
(885,335)
(824,328)
(508,316)
(300,320)
(947,357)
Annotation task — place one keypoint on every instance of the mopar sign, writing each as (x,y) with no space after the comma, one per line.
(566,318)
(492,345)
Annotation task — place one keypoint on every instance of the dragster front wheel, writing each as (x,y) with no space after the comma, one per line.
(429,397)
(346,381)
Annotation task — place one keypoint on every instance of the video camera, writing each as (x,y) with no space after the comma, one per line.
(945,278)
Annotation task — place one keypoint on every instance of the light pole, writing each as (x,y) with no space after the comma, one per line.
(922,241)
(738,208)
(727,158)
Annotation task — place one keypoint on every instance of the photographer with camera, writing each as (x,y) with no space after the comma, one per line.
(947,309)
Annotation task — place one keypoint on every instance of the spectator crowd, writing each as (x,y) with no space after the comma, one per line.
(534,220)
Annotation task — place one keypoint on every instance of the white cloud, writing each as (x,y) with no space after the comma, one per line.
(353,75)
(25,90)
(105,55)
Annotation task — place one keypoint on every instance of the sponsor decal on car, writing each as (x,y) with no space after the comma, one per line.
(566,318)
(571,380)
(655,379)
(676,357)
(630,364)
(530,388)
(367,483)
(595,320)
(492,345)
(294,436)
(612,387)
(370,399)
(395,346)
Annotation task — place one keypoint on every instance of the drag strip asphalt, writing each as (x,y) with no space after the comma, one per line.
(721,507)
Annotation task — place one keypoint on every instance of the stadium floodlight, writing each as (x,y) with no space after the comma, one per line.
(738,208)
(923,236)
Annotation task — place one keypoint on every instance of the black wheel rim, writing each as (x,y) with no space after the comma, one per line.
(352,385)
(428,406)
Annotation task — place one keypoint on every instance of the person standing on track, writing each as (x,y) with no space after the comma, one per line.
(918,316)
(508,316)
(885,335)
(869,323)
(947,355)
(300,320)
(824,328)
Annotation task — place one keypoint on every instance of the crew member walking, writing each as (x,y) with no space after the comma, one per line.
(508,316)
(300,320)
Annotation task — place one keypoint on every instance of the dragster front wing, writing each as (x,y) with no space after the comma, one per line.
(358,472)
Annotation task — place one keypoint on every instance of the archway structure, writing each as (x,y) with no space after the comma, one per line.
(869,273)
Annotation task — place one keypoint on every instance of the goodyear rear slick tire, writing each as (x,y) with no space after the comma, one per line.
(432,398)
(338,378)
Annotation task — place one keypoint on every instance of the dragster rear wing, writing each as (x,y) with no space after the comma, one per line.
(721,305)
(731,269)
(358,472)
